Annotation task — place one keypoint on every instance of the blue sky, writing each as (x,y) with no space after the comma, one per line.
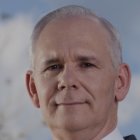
(123,14)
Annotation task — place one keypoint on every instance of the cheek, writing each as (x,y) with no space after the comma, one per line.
(46,89)
(99,88)
(101,97)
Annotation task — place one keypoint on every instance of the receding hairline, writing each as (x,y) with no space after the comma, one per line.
(79,11)
(64,12)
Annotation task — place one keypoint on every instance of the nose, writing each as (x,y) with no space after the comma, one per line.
(67,80)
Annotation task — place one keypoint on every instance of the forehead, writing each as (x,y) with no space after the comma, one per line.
(73,33)
(74,27)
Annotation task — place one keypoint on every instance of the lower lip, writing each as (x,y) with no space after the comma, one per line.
(70,104)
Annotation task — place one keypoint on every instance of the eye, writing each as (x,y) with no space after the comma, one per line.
(86,65)
(55,67)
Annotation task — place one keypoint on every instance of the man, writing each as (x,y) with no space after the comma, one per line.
(77,77)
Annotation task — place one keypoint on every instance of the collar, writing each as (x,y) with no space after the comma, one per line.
(114,135)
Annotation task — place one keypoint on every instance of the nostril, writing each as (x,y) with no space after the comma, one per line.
(62,87)
(74,86)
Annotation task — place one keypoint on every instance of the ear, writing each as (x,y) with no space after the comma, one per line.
(31,87)
(122,83)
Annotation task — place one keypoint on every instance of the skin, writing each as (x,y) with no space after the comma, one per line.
(73,80)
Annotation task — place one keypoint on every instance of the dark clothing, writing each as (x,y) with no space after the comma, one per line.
(130,137)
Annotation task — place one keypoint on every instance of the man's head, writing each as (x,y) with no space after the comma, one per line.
(78,11)
(77,76)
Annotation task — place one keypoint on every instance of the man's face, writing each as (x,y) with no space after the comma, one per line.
(73,74)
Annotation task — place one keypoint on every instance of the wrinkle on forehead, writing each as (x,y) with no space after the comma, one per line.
(80,27)
(73,33)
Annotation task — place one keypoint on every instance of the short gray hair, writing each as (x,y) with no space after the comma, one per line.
(74,10)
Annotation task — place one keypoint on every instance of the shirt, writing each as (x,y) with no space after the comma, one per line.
(114,135)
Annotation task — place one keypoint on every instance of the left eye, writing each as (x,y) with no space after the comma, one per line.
(86,65)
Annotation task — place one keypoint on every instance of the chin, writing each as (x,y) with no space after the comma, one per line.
(72,123)
(72,126)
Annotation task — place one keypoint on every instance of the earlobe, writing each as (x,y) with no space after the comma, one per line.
(122,83)
(30,84)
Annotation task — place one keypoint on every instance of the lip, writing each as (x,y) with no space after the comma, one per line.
(70,103)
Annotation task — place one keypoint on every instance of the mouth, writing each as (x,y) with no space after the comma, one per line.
(70,103)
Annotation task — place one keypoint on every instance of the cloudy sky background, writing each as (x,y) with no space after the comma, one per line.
(19,120)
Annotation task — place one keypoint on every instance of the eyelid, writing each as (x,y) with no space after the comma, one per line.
(52,67)
(87,64)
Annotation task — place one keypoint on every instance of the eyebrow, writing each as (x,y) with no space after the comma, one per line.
(51,61)
(79,58)
(86,58)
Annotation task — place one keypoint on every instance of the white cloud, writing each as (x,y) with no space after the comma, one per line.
(14,44)
(128,110)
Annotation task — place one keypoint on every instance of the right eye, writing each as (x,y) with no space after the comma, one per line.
(55,67)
